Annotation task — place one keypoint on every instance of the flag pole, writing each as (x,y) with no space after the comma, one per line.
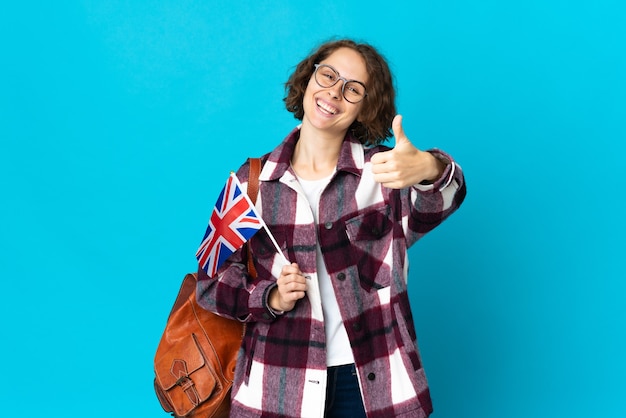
(264,224)
(274,242)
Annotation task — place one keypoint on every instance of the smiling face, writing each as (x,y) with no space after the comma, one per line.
(325,108)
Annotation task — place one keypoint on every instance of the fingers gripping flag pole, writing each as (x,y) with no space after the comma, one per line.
(234,220)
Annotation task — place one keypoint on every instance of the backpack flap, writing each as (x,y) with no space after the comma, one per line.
(184,375)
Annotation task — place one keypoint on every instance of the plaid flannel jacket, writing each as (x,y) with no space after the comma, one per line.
(364,231)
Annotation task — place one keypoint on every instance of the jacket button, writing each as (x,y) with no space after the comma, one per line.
(341,277)
(371,376)
(356,326)
(328,225)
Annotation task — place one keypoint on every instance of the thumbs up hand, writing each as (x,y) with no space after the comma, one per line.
(404,165)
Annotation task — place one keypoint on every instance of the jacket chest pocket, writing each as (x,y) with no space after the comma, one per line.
(371,236)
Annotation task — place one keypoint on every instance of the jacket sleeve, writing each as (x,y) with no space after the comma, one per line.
(233,292)
(431,204)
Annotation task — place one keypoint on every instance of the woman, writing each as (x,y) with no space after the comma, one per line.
(331,334)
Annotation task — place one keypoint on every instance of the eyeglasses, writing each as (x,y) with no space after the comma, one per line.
(326,76)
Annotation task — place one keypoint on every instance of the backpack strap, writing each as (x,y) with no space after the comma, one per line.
(253,191)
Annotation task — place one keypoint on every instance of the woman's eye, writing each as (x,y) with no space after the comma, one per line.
(354,89)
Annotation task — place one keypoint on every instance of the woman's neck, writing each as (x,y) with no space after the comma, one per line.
(315,155)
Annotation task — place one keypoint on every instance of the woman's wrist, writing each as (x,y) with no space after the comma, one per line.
(438,168)
(273,302)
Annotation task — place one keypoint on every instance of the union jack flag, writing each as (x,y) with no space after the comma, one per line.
(233,222)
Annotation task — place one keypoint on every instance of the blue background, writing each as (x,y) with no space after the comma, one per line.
(120,121)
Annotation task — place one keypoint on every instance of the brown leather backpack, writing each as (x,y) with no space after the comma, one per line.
(194,364)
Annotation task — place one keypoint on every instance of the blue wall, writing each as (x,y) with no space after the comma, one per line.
(120,121)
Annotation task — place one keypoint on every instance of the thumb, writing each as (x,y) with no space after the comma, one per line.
(398,131)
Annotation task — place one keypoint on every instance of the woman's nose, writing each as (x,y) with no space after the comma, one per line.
(336,91)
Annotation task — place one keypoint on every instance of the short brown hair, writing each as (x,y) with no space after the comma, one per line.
(378,110)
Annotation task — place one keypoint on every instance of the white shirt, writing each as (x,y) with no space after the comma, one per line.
(338,350)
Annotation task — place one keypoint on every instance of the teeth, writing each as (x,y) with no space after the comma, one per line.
(326,107)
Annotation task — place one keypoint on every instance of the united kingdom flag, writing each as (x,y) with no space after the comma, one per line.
(233,222)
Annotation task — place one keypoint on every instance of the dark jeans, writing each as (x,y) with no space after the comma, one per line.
(343,397)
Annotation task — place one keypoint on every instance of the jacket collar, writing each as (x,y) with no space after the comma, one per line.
(351,157)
